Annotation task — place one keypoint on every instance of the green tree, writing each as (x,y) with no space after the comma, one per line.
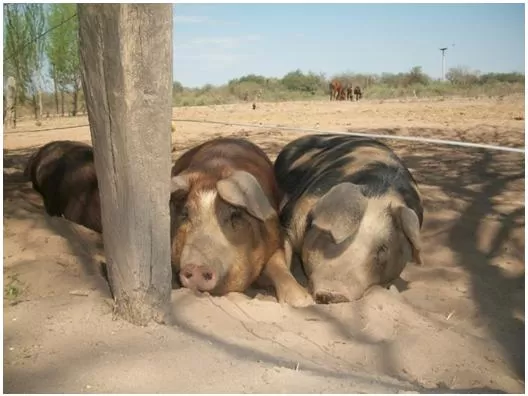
(390,79)
(298,81)
(416,76)
(63,52)
(36,26)
(177,87)
(24,28)
(462,76)
(502,77)
(260,80)
(17,52)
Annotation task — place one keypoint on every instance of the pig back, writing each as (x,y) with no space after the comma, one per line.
(63,172)
(312,165)
(50,160)
(219,158)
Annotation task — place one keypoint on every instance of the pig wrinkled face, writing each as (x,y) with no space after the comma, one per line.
(350,247)
(216,246)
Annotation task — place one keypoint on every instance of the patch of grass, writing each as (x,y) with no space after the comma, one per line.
(13,288)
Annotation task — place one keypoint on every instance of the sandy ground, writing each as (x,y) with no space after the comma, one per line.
(457,324)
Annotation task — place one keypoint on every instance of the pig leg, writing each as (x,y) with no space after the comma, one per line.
(288,290)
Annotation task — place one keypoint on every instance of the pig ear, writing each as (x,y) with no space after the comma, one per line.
(411,227)
(179,185)
(340,210)
(243,190)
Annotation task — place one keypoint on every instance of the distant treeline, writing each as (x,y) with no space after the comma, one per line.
(297,85)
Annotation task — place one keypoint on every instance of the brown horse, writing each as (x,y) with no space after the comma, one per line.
(349,92)
(358,93)
(335,90)
(342,93)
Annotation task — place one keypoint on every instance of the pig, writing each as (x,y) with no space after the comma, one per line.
(352,213)
(63,173)
(225,228)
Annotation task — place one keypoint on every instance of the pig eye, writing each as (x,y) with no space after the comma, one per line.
(184,214)
(381,254)
(235,217)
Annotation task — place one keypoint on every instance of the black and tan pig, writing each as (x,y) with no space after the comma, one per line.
(352,212)
(225,228)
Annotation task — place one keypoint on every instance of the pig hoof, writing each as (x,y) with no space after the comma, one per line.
(297,298)
(330,297)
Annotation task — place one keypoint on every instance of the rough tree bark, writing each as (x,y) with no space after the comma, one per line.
(10,102)
(126,63)
(40,108)
(75,96)
(55,91)
(62,102)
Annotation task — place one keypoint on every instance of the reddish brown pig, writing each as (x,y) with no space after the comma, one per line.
(63,173)
(225,229)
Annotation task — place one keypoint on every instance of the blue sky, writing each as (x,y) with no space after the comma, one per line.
(214,43)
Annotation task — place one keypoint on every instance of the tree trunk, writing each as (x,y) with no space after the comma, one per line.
(62,101)
(34,102)
(126,63)
(56,92)
(74,102)
(75,97)
(38,99)
(11,100)
(39,105)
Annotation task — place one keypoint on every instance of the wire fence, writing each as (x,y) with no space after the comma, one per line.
(363,134)
(319,131)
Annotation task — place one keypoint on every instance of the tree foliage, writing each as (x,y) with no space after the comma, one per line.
(298,81)
(36,25)
(510,78)
(63,43)
(18,50)
(462,76)
(63,50)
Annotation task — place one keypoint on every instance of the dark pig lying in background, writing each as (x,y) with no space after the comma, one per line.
(63,173)
(352,212)
(225,229)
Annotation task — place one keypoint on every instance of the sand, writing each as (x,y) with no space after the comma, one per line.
(455,325)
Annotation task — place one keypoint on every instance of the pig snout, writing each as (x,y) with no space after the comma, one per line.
(200,277)
(328,290)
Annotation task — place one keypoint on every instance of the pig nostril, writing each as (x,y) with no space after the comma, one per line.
(207,276)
